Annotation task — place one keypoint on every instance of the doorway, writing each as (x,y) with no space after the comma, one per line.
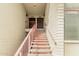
(31,22)
(40,23)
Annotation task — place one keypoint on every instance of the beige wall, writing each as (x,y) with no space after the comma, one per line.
(71,49)
(12,25)
(55,20)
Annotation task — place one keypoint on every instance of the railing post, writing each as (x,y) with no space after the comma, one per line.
(20,54)
(29,43)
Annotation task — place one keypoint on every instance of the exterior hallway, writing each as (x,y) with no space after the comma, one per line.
(18,36)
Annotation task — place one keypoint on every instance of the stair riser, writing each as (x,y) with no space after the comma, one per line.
(40,48)
(39,55)
(40,43)
(40,40)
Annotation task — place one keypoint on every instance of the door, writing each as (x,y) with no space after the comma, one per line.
(31,22)
(40,22)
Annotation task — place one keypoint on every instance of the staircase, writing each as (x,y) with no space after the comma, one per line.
(34,44)
(40,45)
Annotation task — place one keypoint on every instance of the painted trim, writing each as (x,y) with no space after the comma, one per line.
(71,41)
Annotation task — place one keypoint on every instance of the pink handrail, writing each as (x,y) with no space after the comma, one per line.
(25,46)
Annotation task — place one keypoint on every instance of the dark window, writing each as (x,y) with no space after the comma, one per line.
(40,22)
(31,22)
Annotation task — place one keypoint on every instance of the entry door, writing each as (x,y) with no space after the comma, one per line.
(31,22)
(40,22)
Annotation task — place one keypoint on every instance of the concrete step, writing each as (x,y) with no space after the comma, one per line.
(39,42)
(40,50)
(40,37)
(40,47)
(39,54)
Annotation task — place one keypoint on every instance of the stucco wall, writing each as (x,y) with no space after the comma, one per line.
(12,25)
(71,49)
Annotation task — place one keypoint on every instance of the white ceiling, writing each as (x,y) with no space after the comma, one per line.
(35,9)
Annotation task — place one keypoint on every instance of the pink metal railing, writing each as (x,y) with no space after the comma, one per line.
(25,46)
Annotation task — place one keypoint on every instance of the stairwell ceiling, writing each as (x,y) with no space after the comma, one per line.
(35,9)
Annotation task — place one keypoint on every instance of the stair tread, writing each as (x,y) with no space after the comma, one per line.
(39,42)
(39,45)
(40,53)
(40,48)
(40,38)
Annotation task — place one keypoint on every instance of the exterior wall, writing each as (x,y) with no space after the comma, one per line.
(12,25)
(71,49)
(72,30)
(71,5)
(55,24)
